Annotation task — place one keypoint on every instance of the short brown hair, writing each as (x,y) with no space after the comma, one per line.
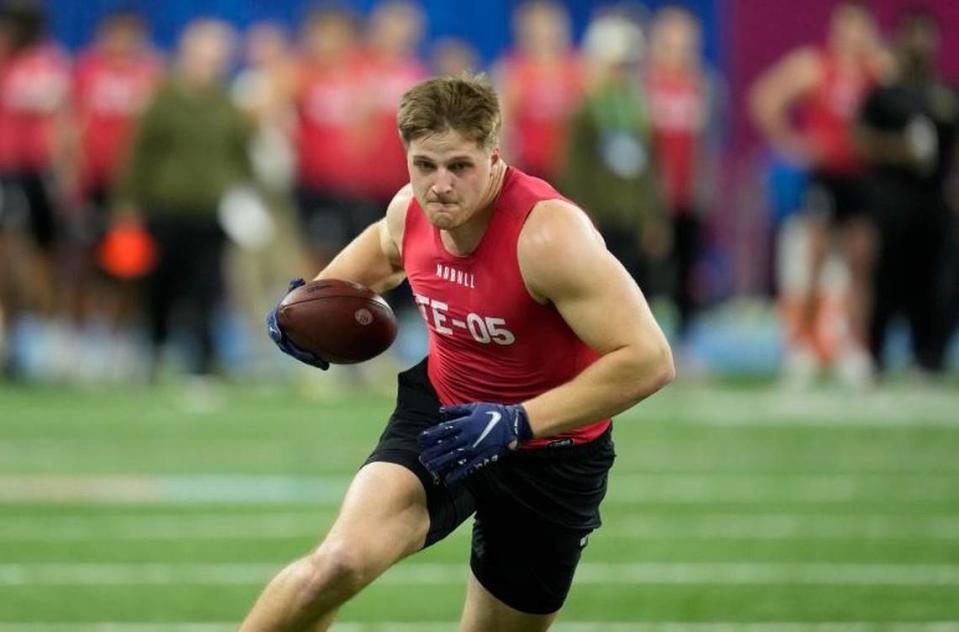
(465,103)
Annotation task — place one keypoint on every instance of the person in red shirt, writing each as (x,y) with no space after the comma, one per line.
(537,336)
(113,80)
(542,83)
(806,106)
(330,132)
(453,56)
(34,84)
(391,67)
(681,99)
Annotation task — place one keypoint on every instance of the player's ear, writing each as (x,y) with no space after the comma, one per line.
(494,157)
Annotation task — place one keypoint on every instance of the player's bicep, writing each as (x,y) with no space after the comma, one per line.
(603,305)
(568,264)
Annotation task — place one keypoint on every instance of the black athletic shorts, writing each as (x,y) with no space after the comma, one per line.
(534,509)
(330,221)
(838,198)
(27,205)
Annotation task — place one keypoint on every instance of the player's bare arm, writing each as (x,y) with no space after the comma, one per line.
(373,258)
(774,95)
(565,262)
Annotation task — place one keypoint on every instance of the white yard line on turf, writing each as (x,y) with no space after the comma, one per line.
(707,487)
(567,626)
(822,574)
(631,526)
(913,406)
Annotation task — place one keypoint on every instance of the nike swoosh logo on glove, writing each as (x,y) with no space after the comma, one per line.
(494,419)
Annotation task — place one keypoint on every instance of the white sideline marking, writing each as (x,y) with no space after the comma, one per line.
(633,526)
(710,487)
(821,574)
(706,487)
(908,405)
(783,527)
(562,626)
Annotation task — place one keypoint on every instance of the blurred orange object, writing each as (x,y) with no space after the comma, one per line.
(127,251)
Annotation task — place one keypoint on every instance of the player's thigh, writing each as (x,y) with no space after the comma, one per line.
(485,613)
(859,243)
(383,518)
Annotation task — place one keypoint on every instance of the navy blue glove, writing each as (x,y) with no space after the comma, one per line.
(283,341)
(471,437)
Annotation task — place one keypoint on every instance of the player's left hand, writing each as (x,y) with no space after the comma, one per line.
(278,336)
(471,437)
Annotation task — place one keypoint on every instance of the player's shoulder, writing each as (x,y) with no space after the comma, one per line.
(804,64)
(396,214)
(554,220)
(557,233)
(400,204)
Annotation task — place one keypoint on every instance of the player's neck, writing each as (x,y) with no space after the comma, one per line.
(463,240)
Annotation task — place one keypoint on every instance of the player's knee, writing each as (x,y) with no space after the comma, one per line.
(338,568)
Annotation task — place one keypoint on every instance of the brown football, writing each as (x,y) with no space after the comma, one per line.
(339,321)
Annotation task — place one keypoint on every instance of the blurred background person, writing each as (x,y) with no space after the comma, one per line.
(609,168)
(453,56)
(806,105)
(908,133)
(34,87)
(264,254)
(541,84)
(331,133)
(190,148)
(391,67)
(318,128)
(113,80)
(683,104)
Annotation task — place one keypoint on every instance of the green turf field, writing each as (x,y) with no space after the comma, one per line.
(736,508)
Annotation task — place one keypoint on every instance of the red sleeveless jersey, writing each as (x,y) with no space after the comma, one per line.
(34,86)
(386,81)
(329,135)
(677,113)
(829,116)
(489,341)
(109,93)
(546,98)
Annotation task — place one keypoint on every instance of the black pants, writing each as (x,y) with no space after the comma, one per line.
(332,221)
(908,277)
(27,203)
(624,244)
(187,281)
(686,236)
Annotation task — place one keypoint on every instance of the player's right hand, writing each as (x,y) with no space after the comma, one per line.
(283,341)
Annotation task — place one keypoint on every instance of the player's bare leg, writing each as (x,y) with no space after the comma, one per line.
(383,519)
(819,242)
(858,241)
(859,245)
(485,613)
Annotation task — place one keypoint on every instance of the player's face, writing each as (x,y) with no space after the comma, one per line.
(675,41)
(452,177)
(122,38)
(852,30)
